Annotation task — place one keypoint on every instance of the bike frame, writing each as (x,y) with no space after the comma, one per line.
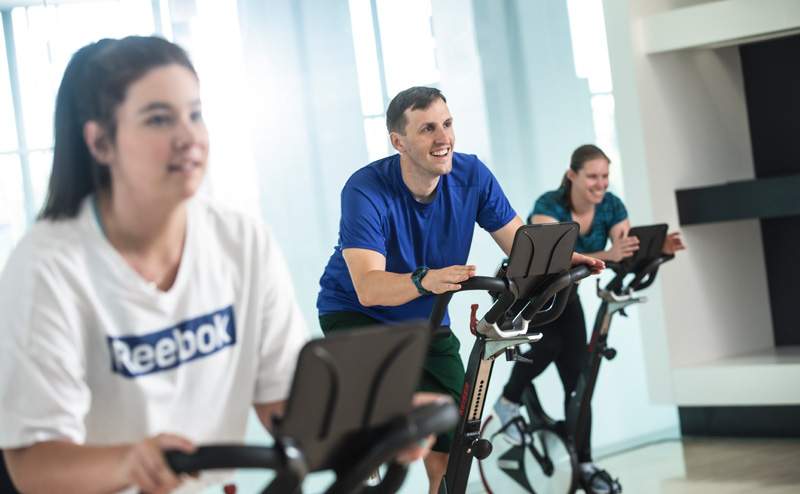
(538,281)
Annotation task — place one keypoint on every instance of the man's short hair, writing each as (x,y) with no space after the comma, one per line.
(416,98)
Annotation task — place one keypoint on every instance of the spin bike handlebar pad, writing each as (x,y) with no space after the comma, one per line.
(349,411)
(644,263)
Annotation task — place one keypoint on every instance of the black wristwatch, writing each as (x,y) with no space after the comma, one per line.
(417,276)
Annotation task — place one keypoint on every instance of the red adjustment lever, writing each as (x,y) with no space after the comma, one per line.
(473,320)
(229,489)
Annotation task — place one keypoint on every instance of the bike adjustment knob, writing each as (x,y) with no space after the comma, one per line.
(609,353)
(480,449)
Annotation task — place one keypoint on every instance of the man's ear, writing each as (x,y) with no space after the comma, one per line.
(397,142)
(98,142)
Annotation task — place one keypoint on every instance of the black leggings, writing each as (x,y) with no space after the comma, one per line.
(563,342)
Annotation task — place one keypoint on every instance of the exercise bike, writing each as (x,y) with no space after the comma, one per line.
(349,412)
(547,461)
(538,274)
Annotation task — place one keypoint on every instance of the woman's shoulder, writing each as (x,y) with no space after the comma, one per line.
(235,231)
(553,199)
(49,240)
(611,199)
(52,252)
(224,219)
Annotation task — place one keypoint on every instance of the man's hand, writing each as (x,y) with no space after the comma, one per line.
(673,243)
(146,467)
(417,451)
(596,265)
(447,279)
(622,246)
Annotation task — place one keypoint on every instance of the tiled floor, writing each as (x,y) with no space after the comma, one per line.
(708,466)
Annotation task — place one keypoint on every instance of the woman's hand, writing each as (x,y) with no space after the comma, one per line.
(673,243)
(596,265)
(622,246)
(146,467)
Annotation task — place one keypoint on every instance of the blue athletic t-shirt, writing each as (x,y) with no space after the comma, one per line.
(379,213)
(606,214)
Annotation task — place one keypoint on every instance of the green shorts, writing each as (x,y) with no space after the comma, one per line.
(443,371)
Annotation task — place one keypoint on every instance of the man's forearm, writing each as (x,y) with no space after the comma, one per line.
(383,288)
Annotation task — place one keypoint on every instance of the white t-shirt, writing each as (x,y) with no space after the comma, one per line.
(92,353)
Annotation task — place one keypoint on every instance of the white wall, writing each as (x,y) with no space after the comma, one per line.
(682,117)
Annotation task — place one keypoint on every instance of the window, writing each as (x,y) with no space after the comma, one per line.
(590,49)
(37,43)
(395,49)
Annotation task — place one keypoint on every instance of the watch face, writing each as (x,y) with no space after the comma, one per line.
(417,271)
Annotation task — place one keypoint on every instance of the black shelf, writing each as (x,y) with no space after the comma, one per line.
(775,197)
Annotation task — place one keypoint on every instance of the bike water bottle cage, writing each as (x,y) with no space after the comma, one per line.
(416,278)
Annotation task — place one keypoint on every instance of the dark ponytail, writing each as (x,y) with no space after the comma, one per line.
(581,155)
(94,84)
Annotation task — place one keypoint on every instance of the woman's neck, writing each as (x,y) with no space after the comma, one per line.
(581,206)
(149,236)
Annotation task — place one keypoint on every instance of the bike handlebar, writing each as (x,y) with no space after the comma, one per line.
(532,312)
(508,292)
(643,277)
(505,287)
(225,456)
(418,424)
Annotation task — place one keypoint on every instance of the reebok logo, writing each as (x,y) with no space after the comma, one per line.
(134,356)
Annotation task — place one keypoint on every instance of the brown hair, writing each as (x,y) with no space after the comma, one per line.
(94,84)
(416,98)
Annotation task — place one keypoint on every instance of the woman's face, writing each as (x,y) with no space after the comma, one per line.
(590,182)
(160,150)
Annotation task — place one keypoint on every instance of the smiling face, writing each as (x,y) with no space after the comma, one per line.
(160,149)
(427,146)
(589,184)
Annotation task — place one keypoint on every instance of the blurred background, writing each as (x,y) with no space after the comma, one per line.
(294,95)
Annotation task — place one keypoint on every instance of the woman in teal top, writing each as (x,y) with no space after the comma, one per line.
(582,197)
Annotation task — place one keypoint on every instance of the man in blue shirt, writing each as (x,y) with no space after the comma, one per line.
(405,233)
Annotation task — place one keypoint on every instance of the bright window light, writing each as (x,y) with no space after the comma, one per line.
(369,78)
(407,53)
(408,44)
(589,44)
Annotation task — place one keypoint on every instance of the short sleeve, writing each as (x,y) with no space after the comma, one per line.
(550,204)
(43,391)
(616,209)
(283,328)
(495,211)
(361,222)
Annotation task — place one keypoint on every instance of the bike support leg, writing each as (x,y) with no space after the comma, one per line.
(579,409)
(473,395)
(473,398)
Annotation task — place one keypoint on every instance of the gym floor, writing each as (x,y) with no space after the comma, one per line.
(709,466)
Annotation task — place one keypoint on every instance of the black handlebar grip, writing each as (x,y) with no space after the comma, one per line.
(487,283)
(579,272)
(223,457)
